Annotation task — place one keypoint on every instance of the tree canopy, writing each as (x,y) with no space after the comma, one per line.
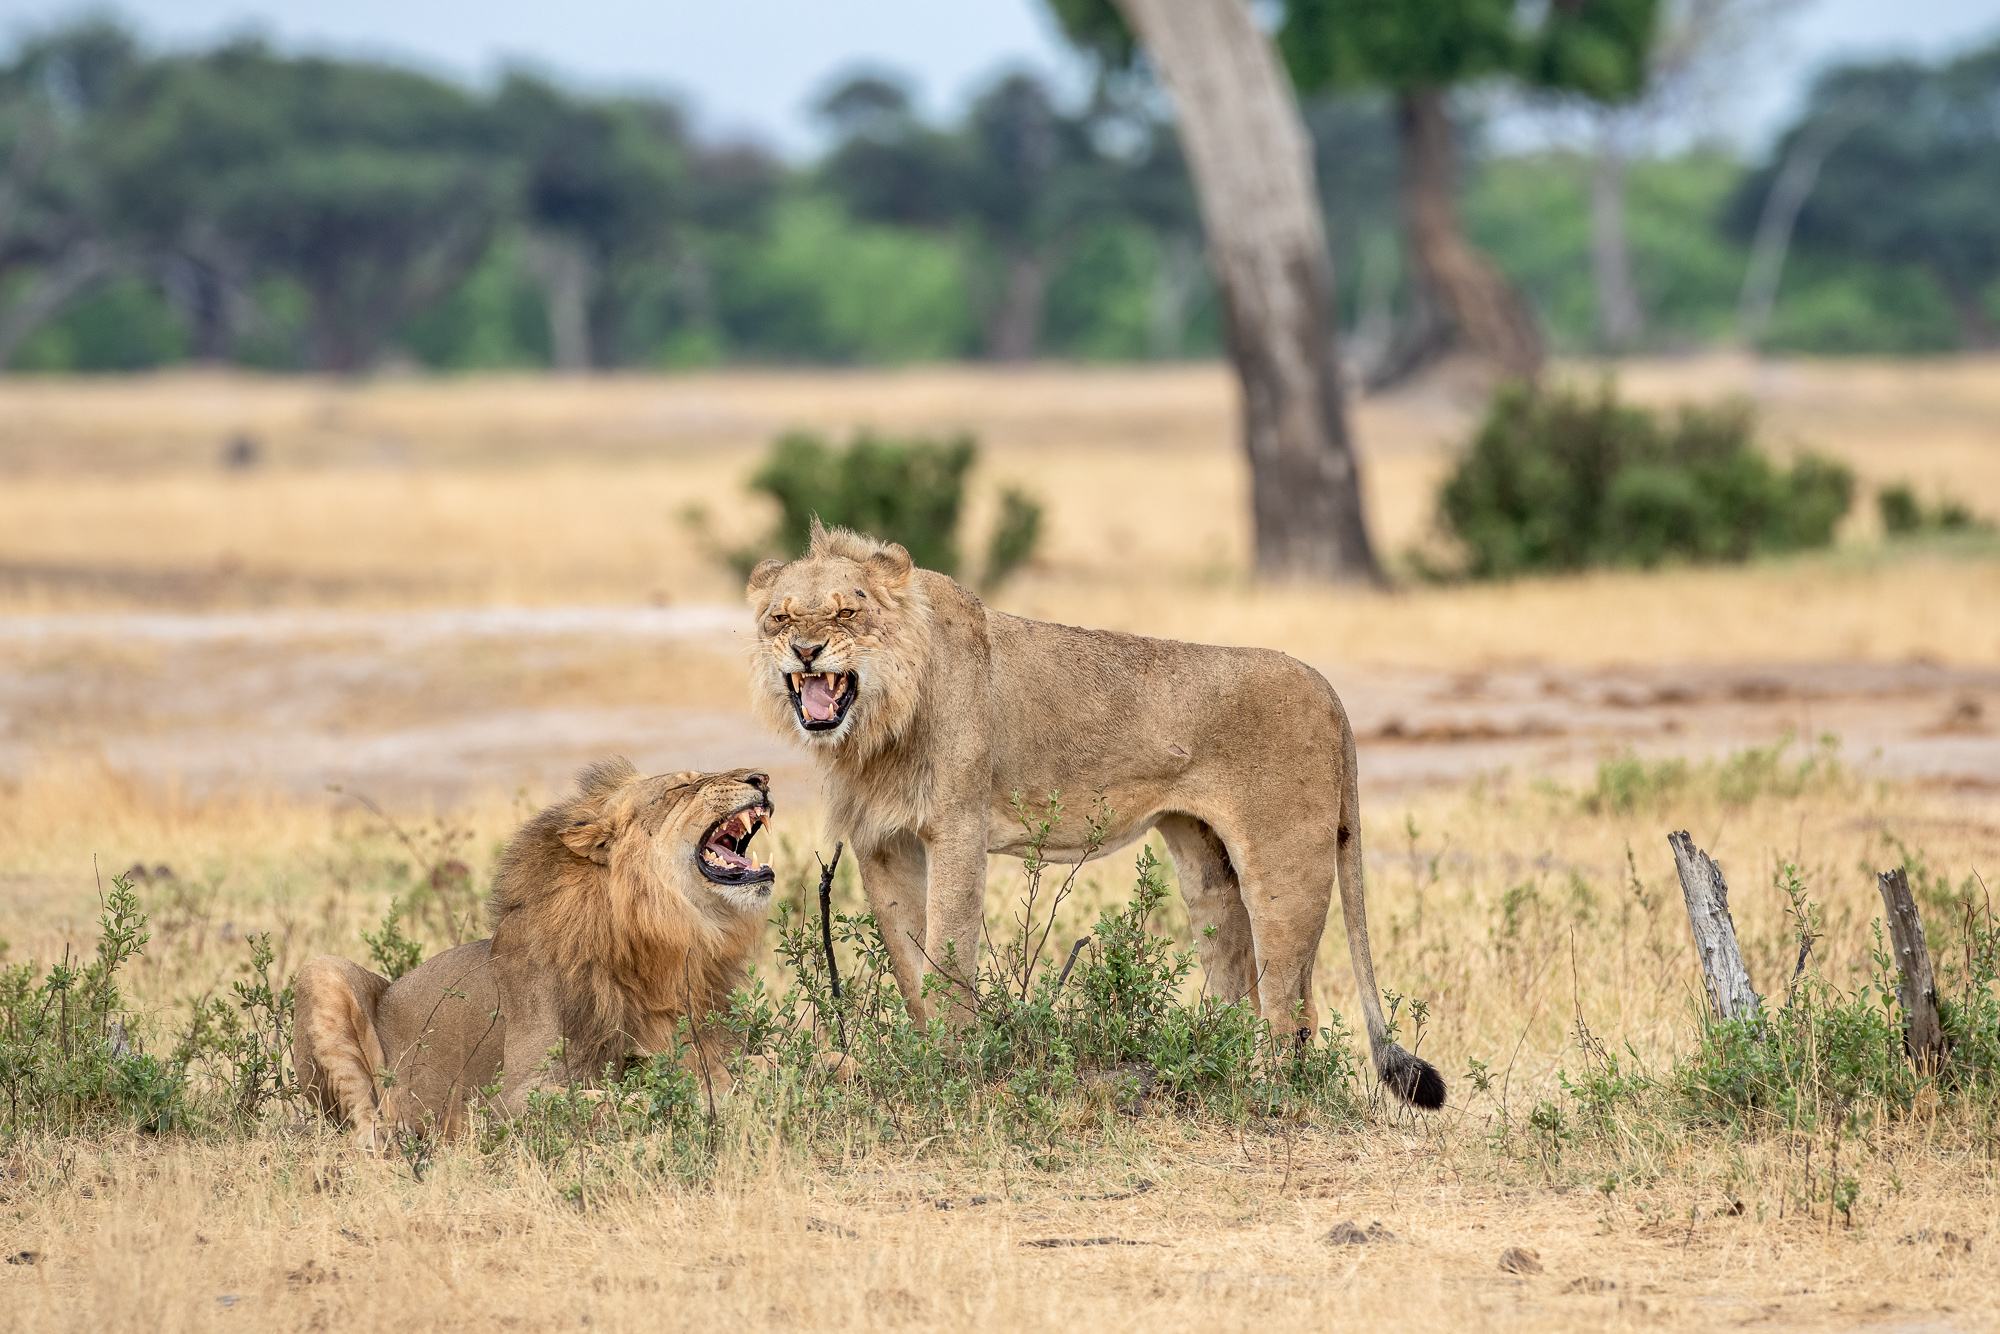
(1914,179)
(241,203)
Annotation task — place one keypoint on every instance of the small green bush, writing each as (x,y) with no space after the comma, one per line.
(1903,515)
(1559,479)
(68,1058)
(910,491)
(1626,782)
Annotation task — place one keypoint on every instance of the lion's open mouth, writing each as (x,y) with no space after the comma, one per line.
(822,698)
(725,849)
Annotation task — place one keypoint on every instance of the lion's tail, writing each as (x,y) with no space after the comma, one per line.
(1414,1080)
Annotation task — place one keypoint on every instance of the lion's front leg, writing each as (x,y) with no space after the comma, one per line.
(895,874)
(955,913)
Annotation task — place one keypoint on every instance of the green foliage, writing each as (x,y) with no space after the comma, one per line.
(126,325)
(910,491)
(1817,1057)
(392,952)
(823,286)
(239,204)
(1628,783)
(374,189)
(1837,305)
(907,491)
(1903,515)
(248,1035)
(1598,48)
(1908,182)
(72,1059)
(1035,1026)
(68,1060)
(1015,536)
(1331,43)
(1557,479)
(1531,213)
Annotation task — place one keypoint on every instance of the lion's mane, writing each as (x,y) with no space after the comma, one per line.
(633,950)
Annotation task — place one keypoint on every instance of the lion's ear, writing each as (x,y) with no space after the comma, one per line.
(588,838)
(761,577)
(891,568)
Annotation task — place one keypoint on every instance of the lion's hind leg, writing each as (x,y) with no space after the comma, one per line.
(335,1049)
(1215,908)
(1286,874)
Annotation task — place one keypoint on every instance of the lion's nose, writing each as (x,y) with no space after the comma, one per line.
(762,782)
(807,652)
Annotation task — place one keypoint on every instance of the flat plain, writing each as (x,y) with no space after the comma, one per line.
(443,595)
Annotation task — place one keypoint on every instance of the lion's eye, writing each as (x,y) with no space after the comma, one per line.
(845,614)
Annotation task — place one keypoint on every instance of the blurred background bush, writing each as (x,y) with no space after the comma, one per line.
(1559,479)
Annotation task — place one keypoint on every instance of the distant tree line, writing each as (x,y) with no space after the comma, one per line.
(240,205)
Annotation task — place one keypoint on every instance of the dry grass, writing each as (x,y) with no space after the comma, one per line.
(518,491)
(142,1237)
(1513,911)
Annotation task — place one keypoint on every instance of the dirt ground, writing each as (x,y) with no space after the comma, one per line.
(428,588)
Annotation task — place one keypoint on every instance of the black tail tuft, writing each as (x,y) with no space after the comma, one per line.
(1414,1080)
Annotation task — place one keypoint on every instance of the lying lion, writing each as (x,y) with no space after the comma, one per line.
(614,914)
(927,712)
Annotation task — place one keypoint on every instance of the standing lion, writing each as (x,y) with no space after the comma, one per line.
(615,914)
(927,711)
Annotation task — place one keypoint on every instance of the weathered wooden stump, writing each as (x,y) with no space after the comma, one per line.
(1916,985)
(1707,896)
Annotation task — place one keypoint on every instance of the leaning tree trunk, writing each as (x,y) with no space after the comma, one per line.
(560,264)
(1620,321)
(1471,305)
(1252,166)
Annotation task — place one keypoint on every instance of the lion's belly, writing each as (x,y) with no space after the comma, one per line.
(442,1035)
(1010,840)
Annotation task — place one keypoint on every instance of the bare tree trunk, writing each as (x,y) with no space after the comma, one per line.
(1916,984)
(1707,896)
(1620,321)
(1252,165)
(1789,192)
(566,274)
(1015,331)
(1475,307)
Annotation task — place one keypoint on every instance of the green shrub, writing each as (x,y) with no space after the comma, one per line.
(1626,782)
(910,491)
(1042,1024)
(1014,536)
(1903,515)
(69,1058)
(1557,479)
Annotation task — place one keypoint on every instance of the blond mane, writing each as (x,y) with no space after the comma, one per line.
(633,949)
(823,542)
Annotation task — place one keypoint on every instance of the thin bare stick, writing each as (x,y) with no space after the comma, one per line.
(826,870)
(1074,950)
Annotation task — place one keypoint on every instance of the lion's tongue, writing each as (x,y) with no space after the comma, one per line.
(729,855)
(816,699)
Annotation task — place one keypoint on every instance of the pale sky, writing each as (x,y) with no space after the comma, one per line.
(753,66)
